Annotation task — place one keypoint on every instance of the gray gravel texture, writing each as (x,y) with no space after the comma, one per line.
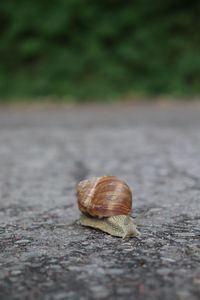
(44,152)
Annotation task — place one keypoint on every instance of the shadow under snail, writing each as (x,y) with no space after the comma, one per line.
(106,204)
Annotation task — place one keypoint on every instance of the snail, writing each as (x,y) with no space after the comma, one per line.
(106,204)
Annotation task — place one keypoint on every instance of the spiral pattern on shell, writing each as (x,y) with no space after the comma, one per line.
(104,196)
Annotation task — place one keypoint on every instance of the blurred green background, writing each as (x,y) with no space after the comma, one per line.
(86,49)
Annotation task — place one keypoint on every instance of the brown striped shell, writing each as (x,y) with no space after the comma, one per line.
(104,196)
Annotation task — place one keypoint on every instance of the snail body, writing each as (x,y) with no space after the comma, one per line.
(106,203)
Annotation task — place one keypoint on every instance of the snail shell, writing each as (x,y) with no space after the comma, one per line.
(104,196)
(106,202)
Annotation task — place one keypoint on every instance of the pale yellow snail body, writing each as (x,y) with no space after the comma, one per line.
(106,203)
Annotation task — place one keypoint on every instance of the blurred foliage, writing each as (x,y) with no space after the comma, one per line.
(96,49)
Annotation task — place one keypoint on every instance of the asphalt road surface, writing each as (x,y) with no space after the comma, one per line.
(44,152)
